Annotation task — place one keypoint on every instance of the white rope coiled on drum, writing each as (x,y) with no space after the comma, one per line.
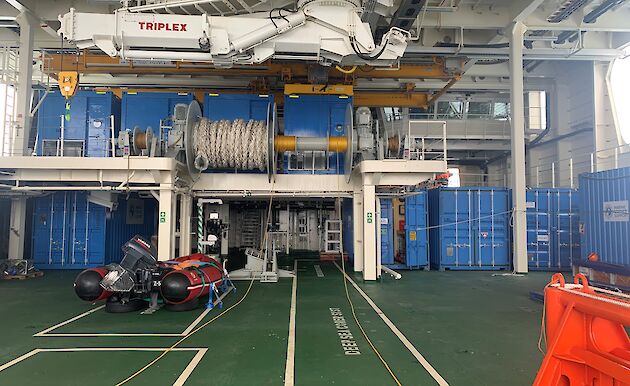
(225,144)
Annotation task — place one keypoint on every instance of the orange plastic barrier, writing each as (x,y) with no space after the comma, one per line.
(587,341)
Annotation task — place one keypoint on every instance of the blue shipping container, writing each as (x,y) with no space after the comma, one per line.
(553,238)
(236,106)
(316,116)
(147,109)
(604,216)
(470,228)
(70,232)
(86,129)
(413,246)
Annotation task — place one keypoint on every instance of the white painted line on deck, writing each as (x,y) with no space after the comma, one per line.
(200,352)
(19,359)
(47,333)
(190,368)
(289,370)
(427,366)
(318,271)
(56,326)
(96,335)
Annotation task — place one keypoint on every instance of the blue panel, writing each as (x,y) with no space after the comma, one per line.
(603,208)
(71,233)
(134,216)
(316,116)
(348,227)
(236,106)
(470,228)
(89,120)
(416,220)
(146,109)
(387,233)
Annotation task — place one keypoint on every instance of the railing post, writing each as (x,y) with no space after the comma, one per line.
(593,162)
(553,174)
(616,158)
(571,171)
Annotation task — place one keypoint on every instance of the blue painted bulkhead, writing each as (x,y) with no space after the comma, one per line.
(88,121)
(70,232)
(316,116)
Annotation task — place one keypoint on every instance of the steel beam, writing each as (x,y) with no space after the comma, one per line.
(91,63)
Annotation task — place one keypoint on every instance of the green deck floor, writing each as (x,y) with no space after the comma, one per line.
(475,328)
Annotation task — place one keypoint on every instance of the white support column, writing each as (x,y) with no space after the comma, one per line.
(518,148)
(166,223)
(370,264)
(185,214)
(24,90)
(19,146)
(357,217)
(17,230)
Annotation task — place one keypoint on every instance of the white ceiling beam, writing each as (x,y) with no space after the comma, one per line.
(23,9)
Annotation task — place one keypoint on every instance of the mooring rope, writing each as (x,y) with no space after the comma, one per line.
(225,144)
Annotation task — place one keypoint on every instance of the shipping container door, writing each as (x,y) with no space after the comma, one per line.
(492,230)
(563,235)
(99,110)
(457,247)
(539,215)
(416,230)
(387,232)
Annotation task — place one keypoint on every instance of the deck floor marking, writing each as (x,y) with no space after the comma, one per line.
(427,366)
(46,332)
(318,271)
(289,370)
(56,326)
(200,352)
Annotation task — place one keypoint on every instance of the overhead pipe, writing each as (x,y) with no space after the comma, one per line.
(89,188)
